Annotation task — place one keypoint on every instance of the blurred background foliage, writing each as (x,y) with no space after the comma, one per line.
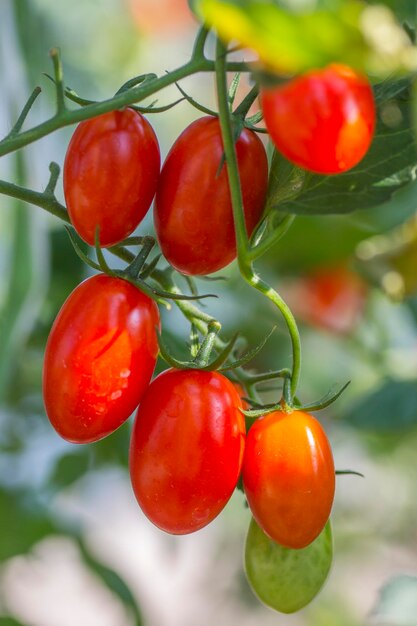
(74,547)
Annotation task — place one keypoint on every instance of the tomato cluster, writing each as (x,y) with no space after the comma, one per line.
(189,444)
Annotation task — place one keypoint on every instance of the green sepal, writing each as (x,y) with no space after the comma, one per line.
(248,356)
(326,401)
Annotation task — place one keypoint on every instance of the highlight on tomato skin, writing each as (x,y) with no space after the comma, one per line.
(289,477)
(99,358)
(324,120)
(193,212)
(111,171)
(186,449)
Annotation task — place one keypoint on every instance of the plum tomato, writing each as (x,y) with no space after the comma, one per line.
(324,120)
(186,449)
(289,477)
(193,210)
(111,172)
(99,358)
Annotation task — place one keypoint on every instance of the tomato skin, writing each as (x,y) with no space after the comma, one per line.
(289,477)
(324,120)
(99,358)
(111,171)
(193,211)
(186,449)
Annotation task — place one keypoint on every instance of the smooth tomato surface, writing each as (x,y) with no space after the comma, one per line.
(324,120)
(111,172)
(99,358)
(193,210)
(186,449)
(289,477)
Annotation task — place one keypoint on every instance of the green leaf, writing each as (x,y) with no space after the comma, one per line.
(70,467)
(9,621)
(113,581)
(23,524)
(388,166)
(397,604)
(287,580)
(292,40)
(392,407)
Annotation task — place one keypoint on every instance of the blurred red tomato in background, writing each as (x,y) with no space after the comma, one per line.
(161,16)
(331,298)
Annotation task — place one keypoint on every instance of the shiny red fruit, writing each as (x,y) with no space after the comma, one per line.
(186,449)
(193,210)
(99,358)
(324,120)
(289,477)
(111,172)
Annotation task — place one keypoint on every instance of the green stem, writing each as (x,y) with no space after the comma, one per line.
(44,200)
(207,346)
(242,243)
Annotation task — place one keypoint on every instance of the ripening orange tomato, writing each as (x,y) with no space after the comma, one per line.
(289,477)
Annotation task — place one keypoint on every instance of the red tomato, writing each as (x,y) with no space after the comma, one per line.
(328,298)
(186,449)
(324,120)
(289,477)
(193,211)
(111,172)
(99,358)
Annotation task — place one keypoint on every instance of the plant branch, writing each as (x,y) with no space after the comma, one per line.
(65,117)
(242,243)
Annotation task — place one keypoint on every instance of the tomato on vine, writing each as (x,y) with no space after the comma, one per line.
(111,172)
(99,358)
(289,477)
(193,210)
(324,120)
(186,449)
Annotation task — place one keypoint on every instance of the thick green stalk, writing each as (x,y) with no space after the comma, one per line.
(242,243)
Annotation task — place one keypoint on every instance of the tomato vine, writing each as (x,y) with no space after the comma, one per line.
(89,388)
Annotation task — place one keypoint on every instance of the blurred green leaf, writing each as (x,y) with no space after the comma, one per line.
(112,450)
(287,580)
(10,621)
(403,9)
(19,284)
(388,166)
(70,468)
(22,524)
(390,408)
(397,603)
(113,581)
(290,40)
